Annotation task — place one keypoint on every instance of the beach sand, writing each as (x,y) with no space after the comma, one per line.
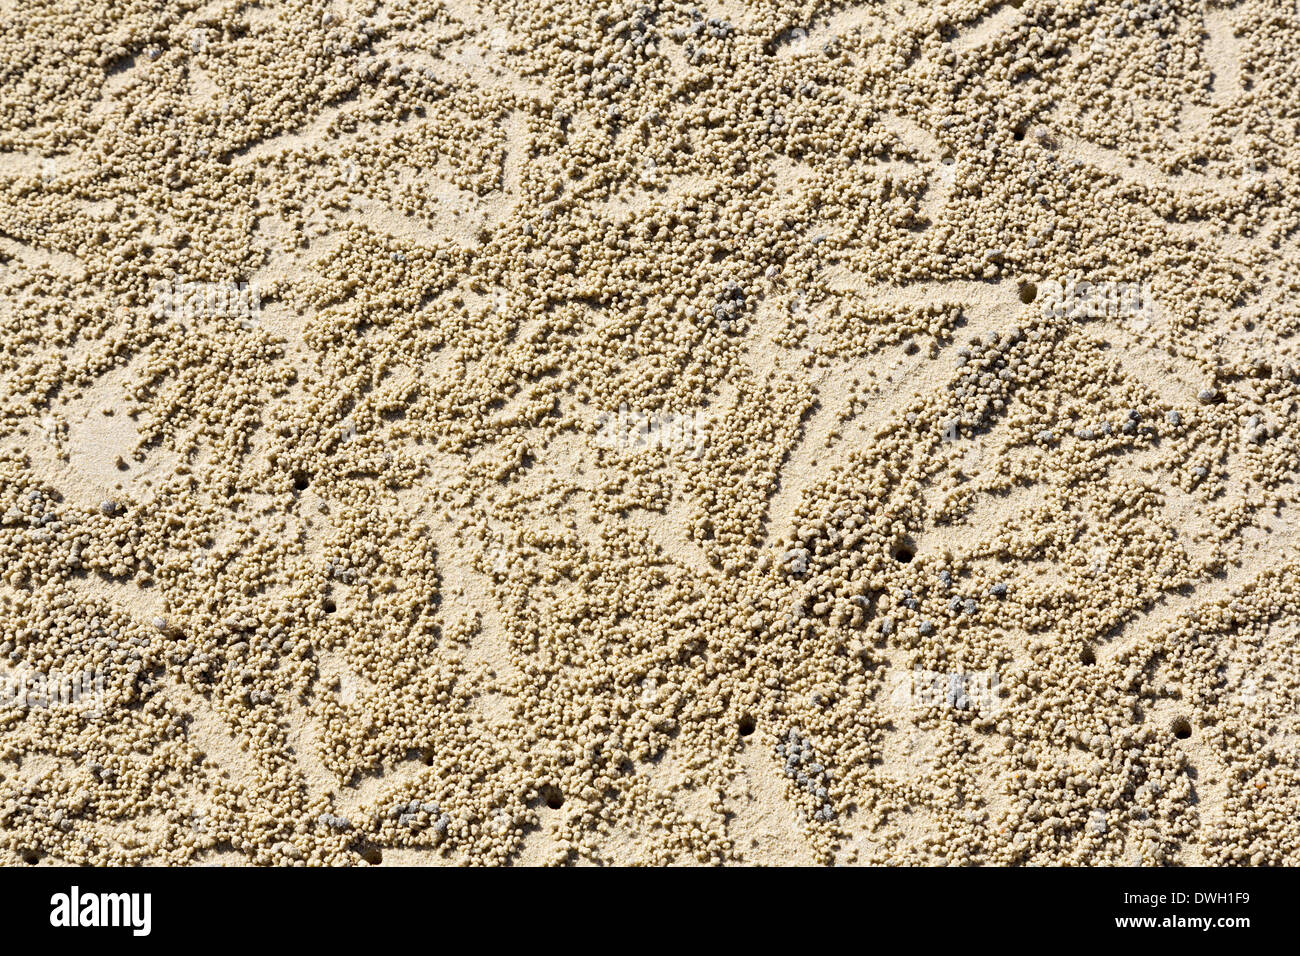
(727,433)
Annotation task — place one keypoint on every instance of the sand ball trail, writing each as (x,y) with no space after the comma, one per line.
(658,432)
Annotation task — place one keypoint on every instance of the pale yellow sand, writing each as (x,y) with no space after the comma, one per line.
(542,432)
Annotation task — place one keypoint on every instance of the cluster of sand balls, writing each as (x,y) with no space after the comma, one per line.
(956,578)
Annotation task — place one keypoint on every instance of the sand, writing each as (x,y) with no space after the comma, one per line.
(719,433)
